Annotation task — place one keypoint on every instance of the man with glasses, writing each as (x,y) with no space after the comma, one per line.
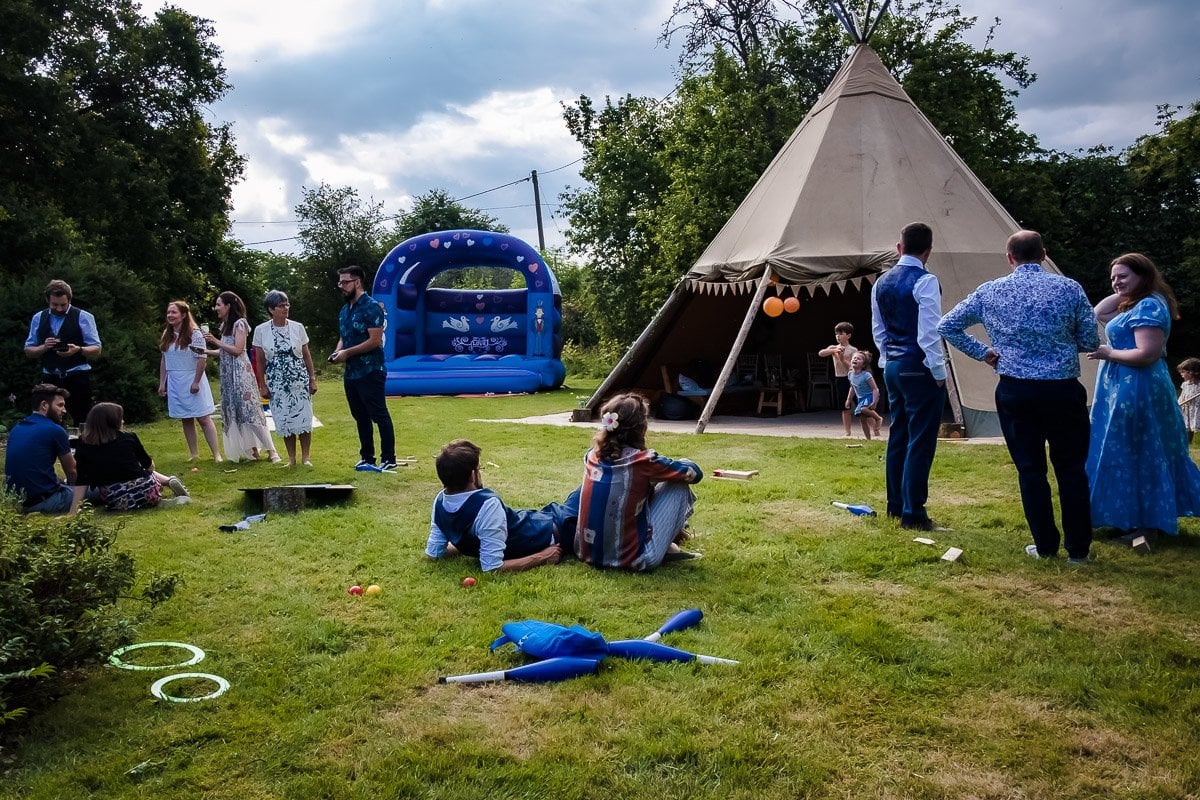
(360,348)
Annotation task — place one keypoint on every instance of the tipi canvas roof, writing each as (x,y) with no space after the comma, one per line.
(829,208)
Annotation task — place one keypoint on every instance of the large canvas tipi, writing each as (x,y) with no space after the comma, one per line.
(822,223)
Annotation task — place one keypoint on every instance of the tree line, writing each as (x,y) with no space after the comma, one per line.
(114,177)
(662,176)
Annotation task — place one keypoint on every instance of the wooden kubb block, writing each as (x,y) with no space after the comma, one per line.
(283,499)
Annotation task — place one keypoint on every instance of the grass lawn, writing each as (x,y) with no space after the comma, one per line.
(870,668)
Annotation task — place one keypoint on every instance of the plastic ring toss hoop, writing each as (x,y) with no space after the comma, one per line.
(157,688)
(115,658)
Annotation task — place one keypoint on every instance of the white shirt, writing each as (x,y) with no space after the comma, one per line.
(490,525)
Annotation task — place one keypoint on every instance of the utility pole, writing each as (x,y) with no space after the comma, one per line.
(537,205)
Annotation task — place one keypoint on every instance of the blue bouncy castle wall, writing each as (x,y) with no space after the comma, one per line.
(469,341)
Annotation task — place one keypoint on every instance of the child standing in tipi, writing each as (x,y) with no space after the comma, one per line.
(1189,395)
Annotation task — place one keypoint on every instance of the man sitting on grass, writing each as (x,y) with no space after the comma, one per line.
(472,520)
(35,443)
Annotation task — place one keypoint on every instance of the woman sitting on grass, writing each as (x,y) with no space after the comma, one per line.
(634,503)
(114,462)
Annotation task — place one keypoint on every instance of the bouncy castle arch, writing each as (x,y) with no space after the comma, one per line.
(469,341)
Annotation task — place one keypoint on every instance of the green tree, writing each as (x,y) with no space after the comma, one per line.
(437,211)
(110,170)
(664,177)
(612,219)
(337,229)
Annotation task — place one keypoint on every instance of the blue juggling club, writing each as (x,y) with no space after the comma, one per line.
(688,618)
(654,651)
(548,671)
(857,510)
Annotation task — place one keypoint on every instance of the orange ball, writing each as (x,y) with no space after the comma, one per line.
(791,305)
(772,306)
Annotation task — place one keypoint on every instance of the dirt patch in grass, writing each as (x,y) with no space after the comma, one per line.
(1101,606)
(499,717)
(804,517)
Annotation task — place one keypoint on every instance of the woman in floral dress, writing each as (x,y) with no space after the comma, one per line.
(1141,475)
(243,424)
(285,373)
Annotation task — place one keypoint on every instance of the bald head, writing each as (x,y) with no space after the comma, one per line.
(1025,247)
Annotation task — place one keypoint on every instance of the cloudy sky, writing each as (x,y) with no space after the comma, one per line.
(396,97)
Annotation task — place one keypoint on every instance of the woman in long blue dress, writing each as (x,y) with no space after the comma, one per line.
(1141,475)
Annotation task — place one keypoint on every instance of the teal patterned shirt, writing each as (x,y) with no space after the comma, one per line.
(354,320)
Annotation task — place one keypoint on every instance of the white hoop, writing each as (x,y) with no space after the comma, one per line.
(157,688)
(115,658)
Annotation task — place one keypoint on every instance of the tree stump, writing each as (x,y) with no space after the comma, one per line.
(283,499)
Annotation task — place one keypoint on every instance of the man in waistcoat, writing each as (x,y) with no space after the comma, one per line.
(906,306)
(472,520)
(64,337)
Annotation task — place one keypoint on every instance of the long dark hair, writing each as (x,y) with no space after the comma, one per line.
(237,310)
(1152,282)
(103,423)
(631,416)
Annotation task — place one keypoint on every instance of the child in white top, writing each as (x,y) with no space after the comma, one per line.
(1189,395)
(864,393)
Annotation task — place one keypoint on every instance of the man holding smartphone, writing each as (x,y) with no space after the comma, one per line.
(360,348)
(64,337)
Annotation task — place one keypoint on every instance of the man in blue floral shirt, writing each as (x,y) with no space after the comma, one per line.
(360,348)
(1038,322)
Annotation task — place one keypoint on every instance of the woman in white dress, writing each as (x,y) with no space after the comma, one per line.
(243,424)
(286,374)
(181,378)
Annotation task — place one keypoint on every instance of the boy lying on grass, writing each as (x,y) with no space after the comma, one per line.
(471,520)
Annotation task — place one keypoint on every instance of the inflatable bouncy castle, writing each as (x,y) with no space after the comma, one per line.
(469,341)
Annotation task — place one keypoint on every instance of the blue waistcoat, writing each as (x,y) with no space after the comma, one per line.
(898,307)
(528,531)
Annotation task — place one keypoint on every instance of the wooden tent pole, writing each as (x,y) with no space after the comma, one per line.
(734,351)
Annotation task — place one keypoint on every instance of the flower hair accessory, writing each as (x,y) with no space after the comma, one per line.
(609,421)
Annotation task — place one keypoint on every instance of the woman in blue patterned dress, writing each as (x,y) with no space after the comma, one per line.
(1141,476)
(243,424)
(286,374)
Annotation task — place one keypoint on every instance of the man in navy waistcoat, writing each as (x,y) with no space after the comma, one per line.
(64,337)
(906,306)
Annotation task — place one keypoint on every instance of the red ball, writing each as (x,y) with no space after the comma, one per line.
(468,582)
(355,590)
(791,305)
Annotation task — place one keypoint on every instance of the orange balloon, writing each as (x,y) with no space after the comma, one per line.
(772,306)
(791,305)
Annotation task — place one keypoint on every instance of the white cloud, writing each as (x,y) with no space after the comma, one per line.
(499,122)
(255,31)
(520,125)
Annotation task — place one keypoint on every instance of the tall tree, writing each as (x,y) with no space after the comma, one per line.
(612,219)
(109,166)
(437,211)
(337,229)
(664,176)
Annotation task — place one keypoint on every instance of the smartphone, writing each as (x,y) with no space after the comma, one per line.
(332,356)
(62,347)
